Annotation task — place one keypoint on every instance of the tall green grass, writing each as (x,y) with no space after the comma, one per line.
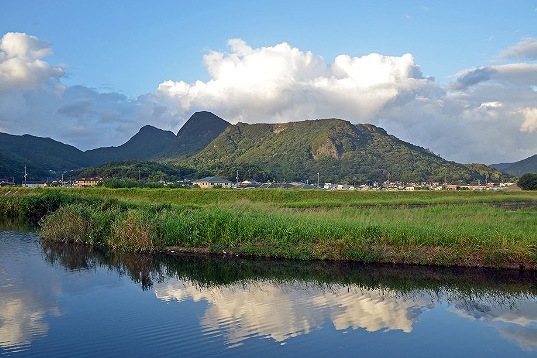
(449,230)
(304,198)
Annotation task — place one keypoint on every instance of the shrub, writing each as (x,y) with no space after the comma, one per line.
(528,181)
(67,224)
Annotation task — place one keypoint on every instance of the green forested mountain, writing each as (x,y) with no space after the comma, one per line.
(47,158)
(43,157)
(200,130)
(489,173)
(336,149)
(12,168)
(149,143)
(524,166)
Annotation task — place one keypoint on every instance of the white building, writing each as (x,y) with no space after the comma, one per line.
(211,182)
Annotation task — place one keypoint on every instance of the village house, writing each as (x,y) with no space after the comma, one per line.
(34,184)
(87,182)
(211,182)
(6,182)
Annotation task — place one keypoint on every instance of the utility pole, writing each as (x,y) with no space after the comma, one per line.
(318,181)
(237,178)
(25,175)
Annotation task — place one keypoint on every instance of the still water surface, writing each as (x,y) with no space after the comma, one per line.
(72,301)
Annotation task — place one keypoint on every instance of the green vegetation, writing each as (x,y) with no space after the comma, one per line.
(145,172)
(129,183)
(200,130)
(43,157)
(340,151)
(429,228)
(48,159)
(528,182)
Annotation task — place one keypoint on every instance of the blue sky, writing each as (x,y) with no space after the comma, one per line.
(114,66)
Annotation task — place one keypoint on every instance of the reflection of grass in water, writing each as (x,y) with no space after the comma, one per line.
(468,287)
(453,230)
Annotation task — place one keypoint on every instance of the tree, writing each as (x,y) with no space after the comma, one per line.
(528,182)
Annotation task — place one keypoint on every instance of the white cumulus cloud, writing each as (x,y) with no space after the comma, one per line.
(21,64)
(284,83)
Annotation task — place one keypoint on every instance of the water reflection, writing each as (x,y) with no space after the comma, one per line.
(283,310)
(20,320)
(22,308)
(517,323)
(30,287)
(284,299)
(276,300)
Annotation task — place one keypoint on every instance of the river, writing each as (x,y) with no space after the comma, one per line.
(69,300)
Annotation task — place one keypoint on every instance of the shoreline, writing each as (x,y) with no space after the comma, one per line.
(421,260)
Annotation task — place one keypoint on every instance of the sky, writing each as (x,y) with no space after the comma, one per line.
(456,77)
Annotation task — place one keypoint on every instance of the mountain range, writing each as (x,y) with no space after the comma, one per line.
(335,149)
(46,158)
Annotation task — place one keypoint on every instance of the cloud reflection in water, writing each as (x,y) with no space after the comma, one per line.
(281,311)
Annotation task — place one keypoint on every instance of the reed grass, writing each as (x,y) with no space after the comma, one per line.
(452,229)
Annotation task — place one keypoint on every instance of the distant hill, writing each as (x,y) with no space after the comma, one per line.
(149,143)
(336,149)
(43,157)
(12,168)
(200,130)
(528,165)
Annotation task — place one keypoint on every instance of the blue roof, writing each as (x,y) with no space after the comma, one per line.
(212,180)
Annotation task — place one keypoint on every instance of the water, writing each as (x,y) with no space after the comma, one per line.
(72,301)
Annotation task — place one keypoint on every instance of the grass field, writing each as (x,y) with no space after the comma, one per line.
(493,229)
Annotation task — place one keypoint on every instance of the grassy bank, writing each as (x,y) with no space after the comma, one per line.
(432,228)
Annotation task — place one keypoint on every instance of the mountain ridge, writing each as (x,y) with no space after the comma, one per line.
(335,148)
(524,166)
(46,157)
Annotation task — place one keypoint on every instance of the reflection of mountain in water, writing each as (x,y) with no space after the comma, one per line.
(284,310)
